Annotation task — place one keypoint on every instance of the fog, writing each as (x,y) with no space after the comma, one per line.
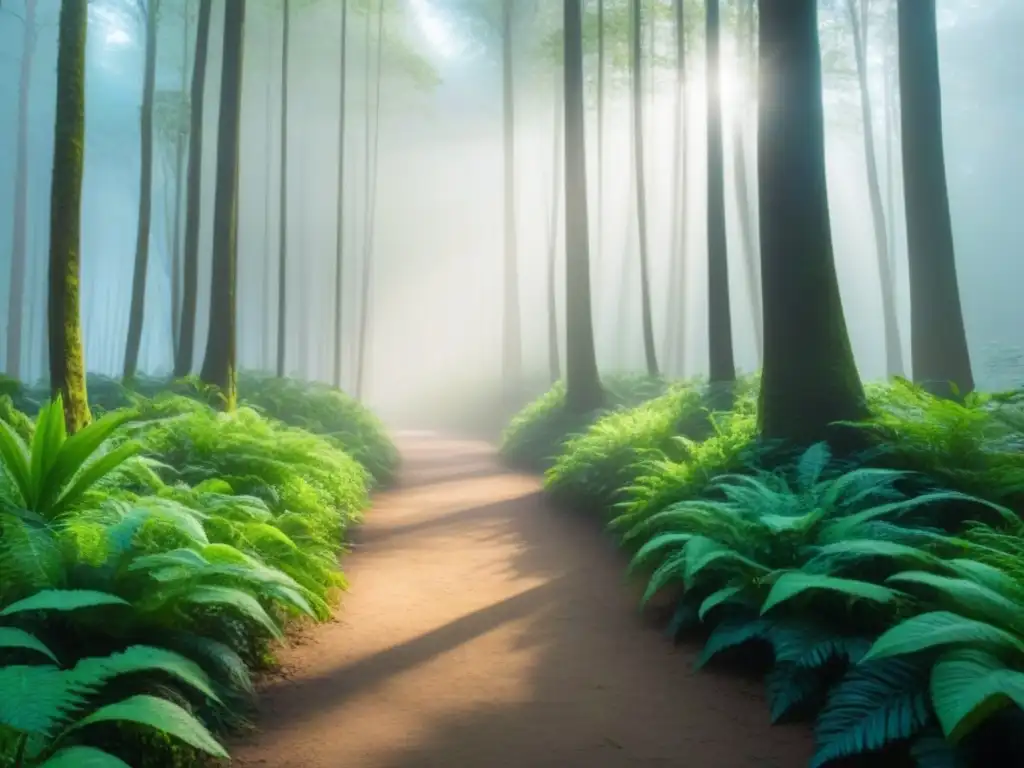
(430,223)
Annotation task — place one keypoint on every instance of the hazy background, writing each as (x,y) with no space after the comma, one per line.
(437,236)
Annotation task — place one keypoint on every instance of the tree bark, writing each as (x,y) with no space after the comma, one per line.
(194,207)
(511,321)
(599,231)
(939,354)
(893,344)
(282,234)
(19,226)
(137,313)
(219,363)
(722,368)
(809,380)
(67,357)
(675,337)
(339,264)
(554,359)
(583,387)
(179,174)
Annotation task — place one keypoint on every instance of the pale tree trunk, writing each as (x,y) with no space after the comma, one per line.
(554,361)
(675,337)
(511,331)
(282,221)
(339,262)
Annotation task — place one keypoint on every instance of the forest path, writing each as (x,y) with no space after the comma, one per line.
(485,629)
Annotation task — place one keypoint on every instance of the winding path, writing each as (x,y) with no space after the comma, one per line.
(484,629)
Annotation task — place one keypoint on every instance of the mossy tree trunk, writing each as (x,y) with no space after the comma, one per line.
(583,386)
(939,355)
(809,378)
(636,66)
(137,313)
(219,363)
(194,206)
(722,368)
(19,225)
(511,342)
(67,358)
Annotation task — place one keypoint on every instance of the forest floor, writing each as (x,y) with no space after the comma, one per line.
(485,629)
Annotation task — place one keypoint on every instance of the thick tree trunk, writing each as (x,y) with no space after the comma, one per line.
(554,359)
(809,379)
(219,363)
(511,336)
(282,233)
(137,313)
(583,387)
(194,207)
(67,357)
(675,337)
(339,262)
(722,369)
(650,353)
(890,321)
(939,354)
(19,226)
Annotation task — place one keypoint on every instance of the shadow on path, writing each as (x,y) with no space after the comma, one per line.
(485,629)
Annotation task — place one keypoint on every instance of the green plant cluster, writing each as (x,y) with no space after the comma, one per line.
(881,593)
(147,564)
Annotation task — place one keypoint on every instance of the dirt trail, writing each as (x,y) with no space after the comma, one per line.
(484,629)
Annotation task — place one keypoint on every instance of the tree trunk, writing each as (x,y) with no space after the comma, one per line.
(745,53)
(339,265)
(67,357)
(599,232)
(219,363)
(554,359)
(583,387)
(19,227)
(889,65)
(650,353)
(282,233)
(893,345)
(137,313)
(511,338)
(194,207)
(675,337)
(179,174)
(809,379)
(939,354)
(269,342)
(722,367)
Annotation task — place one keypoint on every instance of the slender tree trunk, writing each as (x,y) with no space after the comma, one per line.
(805,332)
(339,265)
(194,208)
(889,65)
(179,174)
(940,357)
(599,230)
(269,342)
(893,345)
(282,234)
(554,359)
(745,53)
(19,227)
(219,363)
(372,155)
(511,324)
(583,386)
(137,313)
(675,337)
(722,367)
(650,353)
(621,321)
(67,357)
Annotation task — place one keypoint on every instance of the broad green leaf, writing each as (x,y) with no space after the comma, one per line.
(794,583)
(655,546)
(12,637)
(717,598)
(142,658)
(941,628)
(84,757)
(15,456)
(241,602)
(972,598)
(37,699)
(968,686)
(63,600)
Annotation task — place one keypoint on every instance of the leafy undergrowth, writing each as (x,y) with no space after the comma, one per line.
(882,595)
(147,565)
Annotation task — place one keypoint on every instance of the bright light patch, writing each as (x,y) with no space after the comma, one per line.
(435,29)
(117,37)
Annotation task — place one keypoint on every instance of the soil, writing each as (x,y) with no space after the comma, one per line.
(484,628)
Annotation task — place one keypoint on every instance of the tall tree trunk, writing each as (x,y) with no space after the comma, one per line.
(744,55)
(650,353)
(137,313)
(179,174)
(339,265)
(19,226)
(939,354)
(372,154)
(889,64)
(219,363)
(282,234)
(675,337)
(269,342)
(599,232)
(67,357)
(554,360)
(722,367)
(805,338)
(583,387)
(512,352)
(893,345)
(194,208)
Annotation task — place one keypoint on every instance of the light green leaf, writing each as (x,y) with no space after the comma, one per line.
(794,583)
(937,629)
(968,686)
